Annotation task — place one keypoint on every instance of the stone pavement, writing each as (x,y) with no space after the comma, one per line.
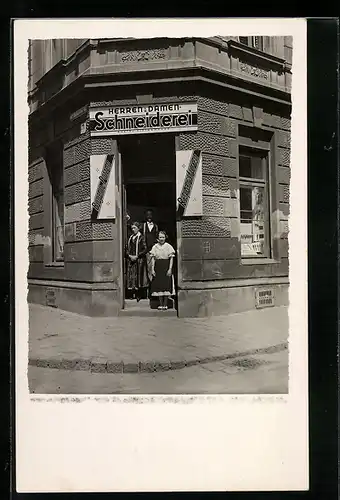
(259,374)
(157,342)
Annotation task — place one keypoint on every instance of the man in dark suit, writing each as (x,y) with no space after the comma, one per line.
(150,233)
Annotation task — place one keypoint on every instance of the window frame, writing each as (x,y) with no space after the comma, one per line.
(265,183)
(54,160)
(55,209)
(252,42)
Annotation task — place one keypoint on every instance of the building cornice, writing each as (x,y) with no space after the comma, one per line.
(88,81)
(60,66)
(104,41)
(230,45)
(234,81)
(264,57)
(245,63)
(233,46)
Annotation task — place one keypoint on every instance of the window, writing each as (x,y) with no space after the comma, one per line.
(254,203)
(56,171)
(244,40)
(53,52)
(252,41)
(58,220)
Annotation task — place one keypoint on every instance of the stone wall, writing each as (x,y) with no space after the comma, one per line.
(210,245)
(86,281)
(36,211)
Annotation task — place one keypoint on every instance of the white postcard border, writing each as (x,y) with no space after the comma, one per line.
(245,443)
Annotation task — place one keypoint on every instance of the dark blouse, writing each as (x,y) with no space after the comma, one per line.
(136,245)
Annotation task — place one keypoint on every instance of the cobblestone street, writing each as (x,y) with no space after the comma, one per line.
(266,374)
(245,352)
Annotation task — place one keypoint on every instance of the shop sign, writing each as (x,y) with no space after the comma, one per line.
(264,298)
(143,119)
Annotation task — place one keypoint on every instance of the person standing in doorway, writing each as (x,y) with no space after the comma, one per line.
(137,279)
(162,258)
(150,233)
(127,219)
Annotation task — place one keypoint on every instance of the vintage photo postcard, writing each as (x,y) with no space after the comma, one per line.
(161,255)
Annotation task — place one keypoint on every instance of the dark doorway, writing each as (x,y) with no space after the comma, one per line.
(149,181)
(158,196)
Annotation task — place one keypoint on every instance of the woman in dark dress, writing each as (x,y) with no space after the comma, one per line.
(162,285)
(136,278)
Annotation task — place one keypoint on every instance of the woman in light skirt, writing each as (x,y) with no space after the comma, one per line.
(162,284)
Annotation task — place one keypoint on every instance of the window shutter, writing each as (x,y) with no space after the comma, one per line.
(103,186)
(189,182)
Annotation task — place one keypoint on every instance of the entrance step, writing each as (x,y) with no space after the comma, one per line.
(142,308)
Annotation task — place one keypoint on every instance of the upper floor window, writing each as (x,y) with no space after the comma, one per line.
(54,50)
(254,203)
(252,41)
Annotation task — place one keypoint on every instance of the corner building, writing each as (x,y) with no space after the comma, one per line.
(104,141)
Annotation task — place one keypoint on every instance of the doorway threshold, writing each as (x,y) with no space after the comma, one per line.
(142,309)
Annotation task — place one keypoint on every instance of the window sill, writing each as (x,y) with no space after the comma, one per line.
(55,264)
(258,260)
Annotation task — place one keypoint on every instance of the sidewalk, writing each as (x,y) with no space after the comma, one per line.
(131,344)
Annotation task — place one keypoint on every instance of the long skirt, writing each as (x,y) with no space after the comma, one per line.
(162,285)
(149,266)
(136,275)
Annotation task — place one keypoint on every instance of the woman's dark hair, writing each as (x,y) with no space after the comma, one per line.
(137,224)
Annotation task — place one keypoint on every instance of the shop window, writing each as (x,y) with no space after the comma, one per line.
(252,41)
(254,203)
(56,176)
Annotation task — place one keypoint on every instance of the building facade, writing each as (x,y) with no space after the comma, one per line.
(198,130)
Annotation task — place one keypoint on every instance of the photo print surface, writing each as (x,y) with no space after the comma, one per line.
(161,269)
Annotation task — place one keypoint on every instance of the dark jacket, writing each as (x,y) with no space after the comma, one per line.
(150,236)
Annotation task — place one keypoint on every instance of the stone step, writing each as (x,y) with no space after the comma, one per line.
(142,308)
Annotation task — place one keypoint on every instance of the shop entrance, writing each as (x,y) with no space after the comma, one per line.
(149,183)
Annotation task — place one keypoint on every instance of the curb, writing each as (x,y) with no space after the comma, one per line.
(99,366)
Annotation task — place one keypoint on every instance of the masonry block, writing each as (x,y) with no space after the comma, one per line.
(283,175)
(36,188)
(219,165)
(213,105)
(35,205)
(283,193)
(207,227)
